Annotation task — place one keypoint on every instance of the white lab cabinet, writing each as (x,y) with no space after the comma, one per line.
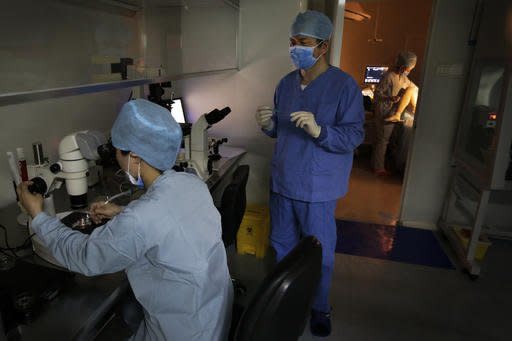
(480,195)
(48,45)
(483,146)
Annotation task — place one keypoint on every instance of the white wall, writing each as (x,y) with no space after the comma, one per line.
(438,111)
(264,36)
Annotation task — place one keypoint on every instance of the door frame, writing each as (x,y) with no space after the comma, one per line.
(335,59)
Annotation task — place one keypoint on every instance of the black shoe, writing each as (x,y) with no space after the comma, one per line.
(320,323)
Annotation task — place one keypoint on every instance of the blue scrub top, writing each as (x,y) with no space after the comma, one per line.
(309,169)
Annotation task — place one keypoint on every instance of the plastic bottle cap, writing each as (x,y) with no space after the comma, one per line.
(21,153)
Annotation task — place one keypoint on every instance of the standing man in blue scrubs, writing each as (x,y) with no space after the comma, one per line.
(318,121)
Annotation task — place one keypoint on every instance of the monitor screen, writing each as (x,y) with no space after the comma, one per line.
(177,111)
(373,74)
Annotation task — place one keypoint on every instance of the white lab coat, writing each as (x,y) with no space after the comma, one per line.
(169,243)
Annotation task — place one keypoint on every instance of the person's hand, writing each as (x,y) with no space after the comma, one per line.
(264,117)
(100,211)
(306,120)
(32,203)
(395,118)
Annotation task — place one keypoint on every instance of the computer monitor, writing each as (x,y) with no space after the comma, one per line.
(178,111)
(373,74)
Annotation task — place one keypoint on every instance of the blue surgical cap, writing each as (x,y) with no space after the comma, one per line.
(149,131)
(312,24)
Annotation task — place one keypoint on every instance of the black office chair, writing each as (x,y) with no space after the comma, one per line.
(233,205)
(280,308)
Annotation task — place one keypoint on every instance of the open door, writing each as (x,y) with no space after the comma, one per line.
(365,44)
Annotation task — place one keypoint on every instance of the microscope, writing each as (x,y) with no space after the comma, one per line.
(197,158)
(77,168)
(78,153)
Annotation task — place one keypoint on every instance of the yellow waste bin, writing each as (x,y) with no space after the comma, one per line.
(253,235)
(481,245)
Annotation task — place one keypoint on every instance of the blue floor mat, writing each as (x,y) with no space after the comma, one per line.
(401,244)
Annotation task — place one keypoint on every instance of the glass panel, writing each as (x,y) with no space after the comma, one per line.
(52,44)
(209,38)
(198,37)
(66,43)
(481,136)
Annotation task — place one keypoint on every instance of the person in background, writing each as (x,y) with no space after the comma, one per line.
(168,241)
(318,121)
(394,94)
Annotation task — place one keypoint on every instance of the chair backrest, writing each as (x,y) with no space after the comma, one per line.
(233,204)
(280,307)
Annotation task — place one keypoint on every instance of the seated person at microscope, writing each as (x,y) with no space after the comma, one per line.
(168,241)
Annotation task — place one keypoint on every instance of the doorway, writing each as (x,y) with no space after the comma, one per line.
(374,31)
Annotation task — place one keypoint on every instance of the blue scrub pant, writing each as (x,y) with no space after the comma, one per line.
(291,220)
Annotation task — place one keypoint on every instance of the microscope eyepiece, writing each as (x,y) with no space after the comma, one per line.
(38,186)
(55,168)
(107,153)
(217,115)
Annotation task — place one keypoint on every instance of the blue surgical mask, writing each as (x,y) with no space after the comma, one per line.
(302,56)
(137,182)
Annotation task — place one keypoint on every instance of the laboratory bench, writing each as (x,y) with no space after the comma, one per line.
(52,303)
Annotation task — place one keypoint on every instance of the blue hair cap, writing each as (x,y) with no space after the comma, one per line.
(312,24)
(149,131)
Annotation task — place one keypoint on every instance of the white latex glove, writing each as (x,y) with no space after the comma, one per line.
(264,117)
(306,121)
